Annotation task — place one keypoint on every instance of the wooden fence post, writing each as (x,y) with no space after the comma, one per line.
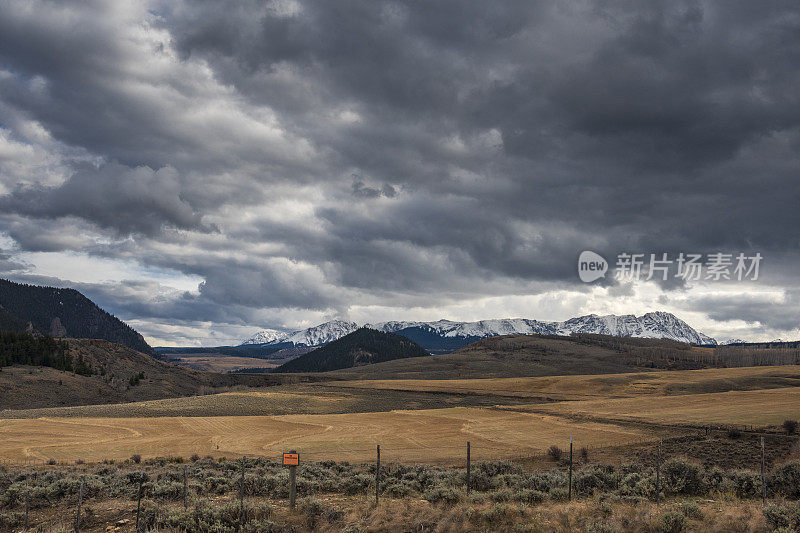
(241,495)
(139,499)
(763,477)
(292,485)
(185,488)
(27,505)
(570,468)
(80,502)
(378,476)
(469,467)
(658,473)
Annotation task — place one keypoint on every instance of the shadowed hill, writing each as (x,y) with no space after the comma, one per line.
(63,313)
(551,355)
(506,356)
(113,374)
(362,347)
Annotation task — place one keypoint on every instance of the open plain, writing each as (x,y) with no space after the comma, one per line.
(413,420)
(437,435)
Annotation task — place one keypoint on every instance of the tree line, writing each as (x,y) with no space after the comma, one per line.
(40,350)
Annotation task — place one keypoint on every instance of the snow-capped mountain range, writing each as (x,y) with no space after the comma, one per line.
(315,336)
(650,325)
(731,341)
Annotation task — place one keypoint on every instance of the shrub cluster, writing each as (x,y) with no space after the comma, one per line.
(495,481)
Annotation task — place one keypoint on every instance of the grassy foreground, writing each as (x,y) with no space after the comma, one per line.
(341,497)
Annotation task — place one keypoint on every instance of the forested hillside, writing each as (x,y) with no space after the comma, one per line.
(9,322)
(362,347)
(63,313)
(26,349)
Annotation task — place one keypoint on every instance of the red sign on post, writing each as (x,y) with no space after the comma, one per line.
(291,459)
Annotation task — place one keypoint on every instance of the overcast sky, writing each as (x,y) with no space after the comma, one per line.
(204,170)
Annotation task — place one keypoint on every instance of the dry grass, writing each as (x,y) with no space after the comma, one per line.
(277,400)
(473,515)
(600,386)
(756,407)
(222,363)
(425,435)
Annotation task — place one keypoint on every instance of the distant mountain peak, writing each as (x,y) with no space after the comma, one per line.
(313,336)
(732,341)
(656,324)
(265,336)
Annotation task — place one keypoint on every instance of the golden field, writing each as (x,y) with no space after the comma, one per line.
(437,435)
(413,420)
(572,387)
(755,407)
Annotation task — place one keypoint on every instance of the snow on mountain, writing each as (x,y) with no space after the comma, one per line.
(656,325)
(314,336)
(650,325)
(732,341)
(265,337)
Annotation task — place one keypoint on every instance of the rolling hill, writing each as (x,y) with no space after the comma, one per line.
(62,313)
(115,374)
(550,355)
(362,347)
(506,356)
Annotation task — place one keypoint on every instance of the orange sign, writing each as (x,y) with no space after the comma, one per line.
(291,459)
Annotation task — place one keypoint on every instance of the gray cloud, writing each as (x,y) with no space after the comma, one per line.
(317,155)
(139,200)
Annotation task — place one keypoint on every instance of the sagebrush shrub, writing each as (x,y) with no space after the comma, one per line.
(442,495)
(785,479)
(589,480)
(555,453)
(673,522)
(602,527)
(681,477)
(782,516)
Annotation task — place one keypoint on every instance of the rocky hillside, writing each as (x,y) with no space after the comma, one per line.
(63,313)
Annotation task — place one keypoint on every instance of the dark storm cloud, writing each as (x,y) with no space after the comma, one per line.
(652,109)
(127,200)
(8,265)
(759,309)
(314,155)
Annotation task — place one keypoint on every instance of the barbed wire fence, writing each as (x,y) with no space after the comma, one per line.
(458,456)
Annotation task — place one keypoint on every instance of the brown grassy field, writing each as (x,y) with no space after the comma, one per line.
(222,363)
(300,398)
(413,420)
(437,435)
(756,407)
(571,387)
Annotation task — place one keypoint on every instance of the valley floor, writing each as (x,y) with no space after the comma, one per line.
(413,421)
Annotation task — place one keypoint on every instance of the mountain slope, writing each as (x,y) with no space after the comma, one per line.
(116,374)
(315,336)
(66,313)
(504,356)
(361,347)
(9,322)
